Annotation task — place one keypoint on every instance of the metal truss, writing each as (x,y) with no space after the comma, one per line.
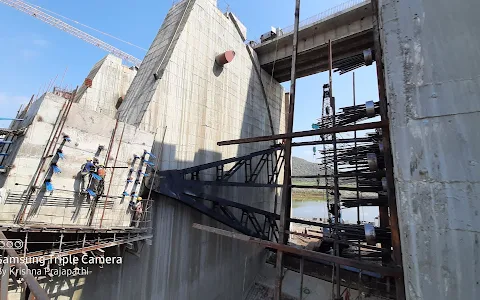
(243,218)
(187,186)
(270,158)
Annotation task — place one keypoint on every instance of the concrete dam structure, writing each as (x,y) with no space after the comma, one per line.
(172,178)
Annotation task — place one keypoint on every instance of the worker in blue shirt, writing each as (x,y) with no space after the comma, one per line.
(87,168)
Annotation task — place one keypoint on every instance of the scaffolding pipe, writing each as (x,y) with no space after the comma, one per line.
(113,173)
(328,142)
(337,129)
(287,186)
(336,196)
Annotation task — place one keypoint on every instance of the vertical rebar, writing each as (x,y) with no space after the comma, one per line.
(287,180)
(159,155)
(60,244)
(111,176)
(336,196)
(356,158)
(25,245)
(61,119)
(110,144)
(356,182)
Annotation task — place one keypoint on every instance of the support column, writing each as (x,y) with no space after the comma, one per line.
(392,200)
(287,187)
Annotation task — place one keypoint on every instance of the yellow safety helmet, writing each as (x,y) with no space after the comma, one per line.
(139,198)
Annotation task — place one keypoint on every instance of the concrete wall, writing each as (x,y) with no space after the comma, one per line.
(431,50)
(200,104)
(87,129)
(110,82)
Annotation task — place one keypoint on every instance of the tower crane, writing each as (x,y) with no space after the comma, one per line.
(36,13)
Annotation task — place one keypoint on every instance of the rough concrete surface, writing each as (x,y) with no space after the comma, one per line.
(200,104)
(431,51)
(196,103)
(87,129)
(110,82)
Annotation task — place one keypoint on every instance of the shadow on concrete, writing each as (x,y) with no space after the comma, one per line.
(183,263)
(217,69)
(78,198)
(39,199)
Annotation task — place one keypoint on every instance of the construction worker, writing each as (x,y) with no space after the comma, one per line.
(138,211)
(95,162)
(97,178)
(101,171)
(85,171)
(88,167)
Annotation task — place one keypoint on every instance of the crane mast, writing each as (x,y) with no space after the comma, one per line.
(36,13)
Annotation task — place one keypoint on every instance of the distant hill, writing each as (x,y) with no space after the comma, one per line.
(301,166)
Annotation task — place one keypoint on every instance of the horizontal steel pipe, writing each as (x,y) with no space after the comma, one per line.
(341,188)
(328,142)
(338,129)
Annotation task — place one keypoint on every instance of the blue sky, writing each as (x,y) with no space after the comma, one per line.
(34,53)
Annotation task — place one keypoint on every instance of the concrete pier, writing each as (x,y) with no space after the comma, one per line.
(431,51)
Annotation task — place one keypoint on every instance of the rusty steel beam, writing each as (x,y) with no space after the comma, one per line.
(24,272)
(328,142)
(341,188)
(336,193)
(70,229)
(376,174)
(382,270)
(338,129)
(285,205)
(43,257)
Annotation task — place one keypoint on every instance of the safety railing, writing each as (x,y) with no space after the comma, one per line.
(319,17)
(120,212)
(8,254)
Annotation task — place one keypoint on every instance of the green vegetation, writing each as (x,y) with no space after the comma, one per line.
(308,195)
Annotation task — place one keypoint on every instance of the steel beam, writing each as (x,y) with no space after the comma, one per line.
(44,257)
(383,270)
(285,205)
(223,161)
(338,129)
(328,142)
